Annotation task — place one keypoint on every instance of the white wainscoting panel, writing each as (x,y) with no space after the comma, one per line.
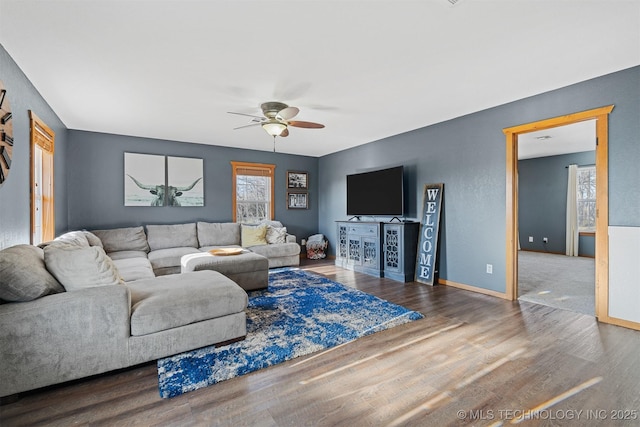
(624,273)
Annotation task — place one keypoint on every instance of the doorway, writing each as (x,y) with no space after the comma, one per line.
(601,116)
(548,273)
(42,195)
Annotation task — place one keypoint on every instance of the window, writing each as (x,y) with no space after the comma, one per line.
(253,188)
(42,196)
(586,183)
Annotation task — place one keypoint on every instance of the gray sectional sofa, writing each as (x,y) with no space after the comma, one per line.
(91,302)
(159,251)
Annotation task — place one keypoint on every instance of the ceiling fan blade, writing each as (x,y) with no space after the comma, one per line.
(287,113)
(249,125)
(308,125)
(247,115)
(284,133)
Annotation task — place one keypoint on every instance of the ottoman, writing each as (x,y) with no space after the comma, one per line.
(249,270)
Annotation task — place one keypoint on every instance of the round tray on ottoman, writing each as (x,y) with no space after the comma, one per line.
(247,269)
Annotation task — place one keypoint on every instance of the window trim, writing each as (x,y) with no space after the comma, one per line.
(263,167)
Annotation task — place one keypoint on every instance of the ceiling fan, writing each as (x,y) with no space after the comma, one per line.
(277,119)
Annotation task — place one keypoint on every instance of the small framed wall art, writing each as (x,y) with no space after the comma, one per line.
(297,201)
(297,180)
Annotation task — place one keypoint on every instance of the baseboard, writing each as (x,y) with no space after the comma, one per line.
(541,251)
(473,289)
(620,322)
(553,253)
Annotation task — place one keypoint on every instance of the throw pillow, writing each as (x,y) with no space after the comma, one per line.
(75,238)
(79,268)
(253,235)
(272,223)
(92,239)
(276,235)
(23,275)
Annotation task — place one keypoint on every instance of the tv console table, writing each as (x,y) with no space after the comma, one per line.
(380,249)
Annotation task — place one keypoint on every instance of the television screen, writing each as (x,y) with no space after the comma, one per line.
(379,192)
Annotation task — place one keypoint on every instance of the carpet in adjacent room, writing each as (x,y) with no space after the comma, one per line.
(558,281)
(300,313)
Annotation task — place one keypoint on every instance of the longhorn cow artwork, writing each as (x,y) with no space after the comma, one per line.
(156,180)
(161,191)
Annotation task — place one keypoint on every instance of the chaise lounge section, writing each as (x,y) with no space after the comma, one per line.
(89,303)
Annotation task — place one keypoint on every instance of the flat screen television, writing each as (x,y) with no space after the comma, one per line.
(379,192)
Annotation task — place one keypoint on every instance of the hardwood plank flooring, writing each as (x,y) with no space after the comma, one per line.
(473,360)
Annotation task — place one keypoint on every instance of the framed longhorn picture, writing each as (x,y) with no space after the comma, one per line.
(144,179)
(155,180)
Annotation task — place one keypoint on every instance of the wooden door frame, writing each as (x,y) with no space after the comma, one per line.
(601,115)
(44,137)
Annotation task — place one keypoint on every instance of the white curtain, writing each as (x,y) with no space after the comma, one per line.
(572,212)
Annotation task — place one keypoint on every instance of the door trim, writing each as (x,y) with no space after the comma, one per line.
(601,115)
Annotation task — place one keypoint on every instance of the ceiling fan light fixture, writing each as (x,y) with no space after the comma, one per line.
(274,128)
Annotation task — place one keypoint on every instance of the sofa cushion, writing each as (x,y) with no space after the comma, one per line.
(276,235)
(123,239)
(23,275)
(276,251)
(131,269)
(218,233)
(127,254)
(176,300)
(169,257)
(79,268)
(252,235)
(172,236)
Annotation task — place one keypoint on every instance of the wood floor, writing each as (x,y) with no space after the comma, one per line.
(473,360)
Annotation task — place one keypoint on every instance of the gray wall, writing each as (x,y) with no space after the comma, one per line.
(467,154)
(15,223)
(96,183)
(542,201)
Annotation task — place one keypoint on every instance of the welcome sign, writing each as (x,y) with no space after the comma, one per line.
(428,247)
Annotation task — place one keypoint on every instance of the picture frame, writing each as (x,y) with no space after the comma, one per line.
(297,180)
(144,179)
(297,201)
(185,181)
(158,180)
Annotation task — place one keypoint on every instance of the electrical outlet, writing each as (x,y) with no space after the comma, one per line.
(530,239)
(545,240)
(489,268)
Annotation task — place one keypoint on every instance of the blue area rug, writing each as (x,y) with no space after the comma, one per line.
(300,313)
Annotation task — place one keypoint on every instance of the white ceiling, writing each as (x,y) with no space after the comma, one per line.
(366,69)
(573,138)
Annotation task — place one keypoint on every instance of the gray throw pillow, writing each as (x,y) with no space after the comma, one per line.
(276,235)
(92,239)
(76,238)
(23,275)
(79,268)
